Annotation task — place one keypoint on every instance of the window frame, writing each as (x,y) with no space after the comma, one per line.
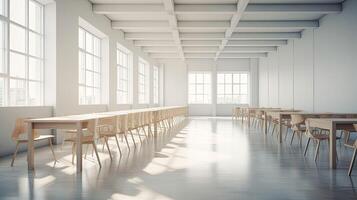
(129,77)
(156,87)
(6,74)
(146,85)
(204,84)
(232,94)
(99,73)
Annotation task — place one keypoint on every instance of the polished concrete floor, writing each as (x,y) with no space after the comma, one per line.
(203,158)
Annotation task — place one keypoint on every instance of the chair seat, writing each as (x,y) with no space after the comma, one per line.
(321,136)
(41,137)
(85,139)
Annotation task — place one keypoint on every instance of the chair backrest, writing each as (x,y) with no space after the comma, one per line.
(21,128)
(296,121)
(107,125)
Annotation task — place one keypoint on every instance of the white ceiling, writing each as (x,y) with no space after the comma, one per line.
(214,29)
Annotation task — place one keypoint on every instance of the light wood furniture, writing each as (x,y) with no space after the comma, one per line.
(107,128)
(352,145)
(18,136)
(332,124)
(80,122)
(298,127)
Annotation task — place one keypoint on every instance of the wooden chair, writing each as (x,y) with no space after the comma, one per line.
(122,129)
(107,128)
(316,135)
(19,136)
(353,145)
(88,138)
(297,126)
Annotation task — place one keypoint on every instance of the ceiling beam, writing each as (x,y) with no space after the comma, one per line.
(241,6)
(257,42)
(303,24)
(143,9)
(202,36)
(265,36)
(160,49)
(200,42)
(165,55)
(154,43)
(294,8)
(242,55)
(107,9)
(198,49)
(200,55)
(203,24)
(139,24)
(249,49)
(170,9)
(148,36)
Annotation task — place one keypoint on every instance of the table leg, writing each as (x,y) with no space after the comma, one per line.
(79,147)
(265,123)
(155,129)
(280,129)
(333,146)
(30,147)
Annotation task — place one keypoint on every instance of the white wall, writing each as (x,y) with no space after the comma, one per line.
(176,88)
(317,72)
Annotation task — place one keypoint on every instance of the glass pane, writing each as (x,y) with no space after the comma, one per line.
(243,99)
(96,46)
(191,89)
(89,78)
(18,11)
(199,89)
(35,93)
(192,78)
(235,89)
(35,45)
(199,78)
(199,98)
(17,92)
(89,95)
(17,38)
(96,80)
(220,78)
(89,62)
(244,89)
(207,89)
(81,40)
(96,96)
(89,42)
(35,69)
(2,48)
(96,64)
(220,89)
(228,78)
(82,75)
(206,99)
(17,65)
(81,59)
(244,78)
(228,89)
(228,99)
(220,98)
(235,78)
(235,99)
(35,16)
(2,91)
(207,78)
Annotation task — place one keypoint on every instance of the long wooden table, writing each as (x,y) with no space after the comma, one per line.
(80,122)
(332,124)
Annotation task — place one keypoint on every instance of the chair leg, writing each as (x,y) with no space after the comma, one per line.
(132,137)
(51,146)
(292,138)
(317,149)
(96,153)
(15,153)
(126,140)
(307,146)
(85,154)
(106,142)
(73,154)
(286,134)
(138,132)
(352,162)
(116,139)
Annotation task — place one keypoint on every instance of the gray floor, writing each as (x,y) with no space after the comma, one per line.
(204,158)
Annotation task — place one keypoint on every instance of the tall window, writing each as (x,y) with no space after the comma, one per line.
(232,88)
(143,79)
(89,67)
(124,74)
(156,85)
(21,53)
(199,91)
